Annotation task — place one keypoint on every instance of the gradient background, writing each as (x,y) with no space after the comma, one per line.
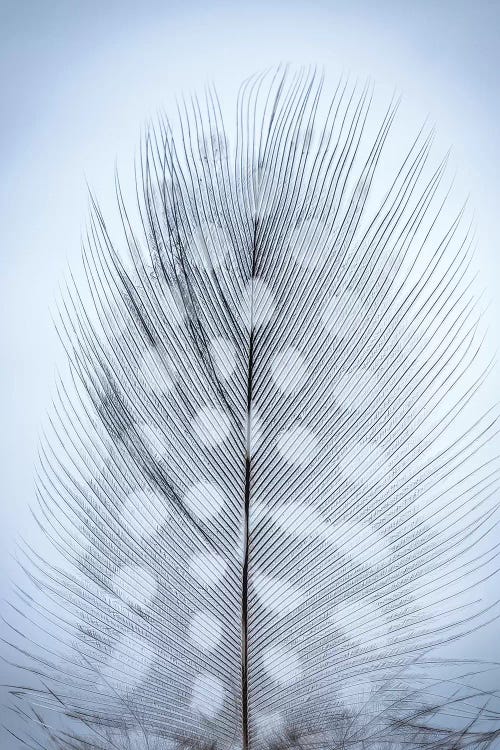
(78,80)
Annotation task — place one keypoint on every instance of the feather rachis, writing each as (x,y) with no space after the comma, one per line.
(254,478)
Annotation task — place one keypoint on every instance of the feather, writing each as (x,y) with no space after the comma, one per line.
(266,480)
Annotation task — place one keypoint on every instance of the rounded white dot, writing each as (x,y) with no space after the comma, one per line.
(223,353)
(289,371)
(282,665)
(300,520)
(154,371)
(151,434)
(128,664)
(209,246)
(134,585)
(258,303)
(361,620)
(361,541)
(268,725)
(308,244)
(341,315)
(172,306)
(205,630)
(298,446)
(254,430)
(208,569)
(208,695)
(356,690)
(355,390)
(363,462)
(279,596)
(205,500)
(212,426)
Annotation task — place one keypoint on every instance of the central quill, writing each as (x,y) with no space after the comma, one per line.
(265,478)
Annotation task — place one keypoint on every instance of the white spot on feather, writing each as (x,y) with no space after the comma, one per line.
(257,303)
(138,514)
(358,539)
(356,690)
(308,243)
(289,371)
(223,353)
(208,569)
(342,315)
(269,725)
(298,446)
(212,426)
(300,520)
(208,695)
(282,665)
(172,306)
(127,665)
(134,585)
(204,499)
(151,434)
(205,630)
(209,247)
(254,430)
(279,596)
(362,462)
(362,621)
(154,371)
(356,390)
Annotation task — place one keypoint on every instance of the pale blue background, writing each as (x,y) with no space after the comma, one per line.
(79,79)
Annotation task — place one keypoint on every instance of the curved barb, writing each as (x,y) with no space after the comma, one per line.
(270,492)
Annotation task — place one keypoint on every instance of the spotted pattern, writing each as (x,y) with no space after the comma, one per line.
(289,371)
(128,664)
(298,446)
(308,245)
(205,500)
(209,247)
(223,353)
(282,665)
(279,596)
(154,372)
(212,426)
(205,631)
(258,304)
(134,585)
(208,569)
(207,696)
